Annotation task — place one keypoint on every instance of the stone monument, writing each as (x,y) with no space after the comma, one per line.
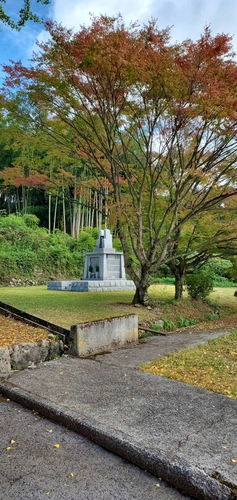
(103,270)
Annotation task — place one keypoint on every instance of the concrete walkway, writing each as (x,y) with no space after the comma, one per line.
(32,468)
(185,435)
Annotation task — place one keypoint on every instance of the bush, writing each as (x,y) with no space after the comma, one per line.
(31,220)
(223,282)
(182,322)
(26,261)
(168,280)
(162,275)
(168,324)
(199,286)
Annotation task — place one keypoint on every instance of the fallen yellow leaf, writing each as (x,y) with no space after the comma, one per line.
(49,430)
(56,445)
(61,373)
(12,441)
(158,485)
(71,474)
(234,460)
(8,448)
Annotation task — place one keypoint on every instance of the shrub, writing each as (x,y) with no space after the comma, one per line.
(31,220)
(168,280)
(182,322)
(26,261)
(168,324)
(8,266)
(199,286)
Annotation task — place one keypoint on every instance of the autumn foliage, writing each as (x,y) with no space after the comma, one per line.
(156,120)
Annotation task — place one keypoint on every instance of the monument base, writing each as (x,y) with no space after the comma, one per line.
(91,285)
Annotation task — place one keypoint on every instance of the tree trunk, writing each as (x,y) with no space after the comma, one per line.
(49,212)
(179,282)
(55,213)
(178,269)
(64,212)
(141,295)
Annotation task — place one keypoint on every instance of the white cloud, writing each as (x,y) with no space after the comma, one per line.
(187,17)
(73,13)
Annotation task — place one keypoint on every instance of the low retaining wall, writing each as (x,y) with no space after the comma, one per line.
(98,336)
(26,355)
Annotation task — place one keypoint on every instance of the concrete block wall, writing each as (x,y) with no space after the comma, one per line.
(98,336)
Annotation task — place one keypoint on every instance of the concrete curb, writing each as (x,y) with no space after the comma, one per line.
(175,470)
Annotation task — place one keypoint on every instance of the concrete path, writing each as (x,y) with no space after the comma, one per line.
(33,469)
(185,435)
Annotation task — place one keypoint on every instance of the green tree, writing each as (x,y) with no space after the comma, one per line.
(25,14)
(211,235)
(114,87)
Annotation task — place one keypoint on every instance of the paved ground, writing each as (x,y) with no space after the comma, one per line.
(79,470)
(185,435)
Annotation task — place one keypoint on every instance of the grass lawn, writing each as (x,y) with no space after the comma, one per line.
(68,308)
(212,366)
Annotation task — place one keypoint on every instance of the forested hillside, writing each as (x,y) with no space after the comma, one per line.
(29,255)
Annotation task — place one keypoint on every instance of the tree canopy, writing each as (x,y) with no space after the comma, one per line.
(25,14)
(157,120)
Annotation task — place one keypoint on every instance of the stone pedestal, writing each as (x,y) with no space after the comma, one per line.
(103,270)
(104,263)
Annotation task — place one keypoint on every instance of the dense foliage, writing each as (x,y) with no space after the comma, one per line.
(132,130)
(199,285)
(30,255)
(25,14)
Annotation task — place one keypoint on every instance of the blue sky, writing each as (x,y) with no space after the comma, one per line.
(188,18)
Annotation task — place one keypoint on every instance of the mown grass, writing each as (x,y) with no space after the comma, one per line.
(212,366)
(68,308)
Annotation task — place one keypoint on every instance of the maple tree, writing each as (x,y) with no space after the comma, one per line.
(156,120)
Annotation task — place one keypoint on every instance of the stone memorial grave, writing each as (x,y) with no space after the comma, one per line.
(103,271)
